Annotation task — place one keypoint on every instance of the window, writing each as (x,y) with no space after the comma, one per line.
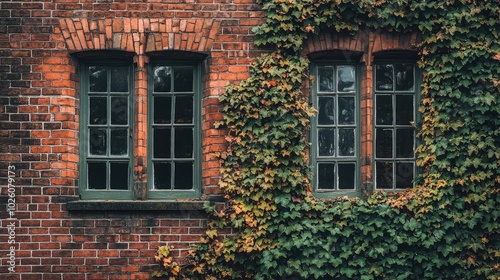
(395,108)
(106,127)
(335,153)
(174,113)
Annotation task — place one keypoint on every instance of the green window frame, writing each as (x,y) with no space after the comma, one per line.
(396,95)
(174,121)
(335,131)
(106,126)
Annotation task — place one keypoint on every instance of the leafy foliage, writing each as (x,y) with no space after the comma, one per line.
(447,227)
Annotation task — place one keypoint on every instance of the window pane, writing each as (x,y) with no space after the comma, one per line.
(98,79)
(384,109)
(119,79)
(346,110)
(97,141)
(326,113)
(404,109)
(383,143)
(183,176)
(346,176)
(346,142)
(184,109)
(384,175)
(96,172)
(162,109)
(119,110)
(183,79)
(404,77)
(119,144)
(345,78)
(183,142)
(118,176)
(162,79)
(162,174)
(325,79)
(326,142)
(161,143)
(326,176)
(98,110)
(404,143)
(384,75)
(404,175)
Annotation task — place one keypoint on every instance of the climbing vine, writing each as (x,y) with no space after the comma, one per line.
(447,227)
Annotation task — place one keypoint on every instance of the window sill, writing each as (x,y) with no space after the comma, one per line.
(135,205)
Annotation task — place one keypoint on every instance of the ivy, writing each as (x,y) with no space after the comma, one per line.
(447,227)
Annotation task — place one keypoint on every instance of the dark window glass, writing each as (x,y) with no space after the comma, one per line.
(98,110)
(346,143)
(404,109)
(119,142)
(183,142)
(162,142)
(384,174)
(183,79)
(162,79)
(405,80)
(183,175)
(384,110)
(184,109)
(119,79)
(162,175)
(97,141)
(98,79)
(326,176)
(345,78)
(404,175)
(383,142)
(347,173)
(118,175)
(119,110)
(404,142)
(96,175)
(384,77)
(326,114)
(162,109)
(326,142)
(346,110)
(325,79)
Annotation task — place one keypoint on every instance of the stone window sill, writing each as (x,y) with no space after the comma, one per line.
(137,205)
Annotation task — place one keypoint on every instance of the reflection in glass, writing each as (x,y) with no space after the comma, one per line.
(98,79)
(346,110)
(383,143)
(97,141)
(184,109)
(384,75)
(119,79)
(404,77)
(96,175)
(183,142)
(346,142)
(162,109)
(404,109)
(98,110)
(183,176)
(384,175)
(384,109)
(326,176)
(161,142)
(404,142)
(183,79)
(119,110)
(326,142)
(162,175)
(325,78)
(162,79)
(119,143)
(326,114)
(404,175)
(345,78)
(346,176)
(118,176)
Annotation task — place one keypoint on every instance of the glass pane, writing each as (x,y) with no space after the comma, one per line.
(384,75)
(162,79)
(161,143)
(98,110)
(326,114)
(346,142)
(325,78)
(404,77)
(97,141)
(162,175)
(345,78)
(346,110)
(162,109)
(183,79)
(404,109)
(384,175)
(119,110)
(184,109)
(326,176)
(98,79)
(326,142)
(384,109)
(404,175)
(383,143)
(183,142)
(119,79)
(119,145)
(346,176)
(404,142)
(96,172)
(183,176)
(118,177)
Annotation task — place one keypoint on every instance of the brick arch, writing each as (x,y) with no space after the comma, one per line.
(332,40)
(138,35)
